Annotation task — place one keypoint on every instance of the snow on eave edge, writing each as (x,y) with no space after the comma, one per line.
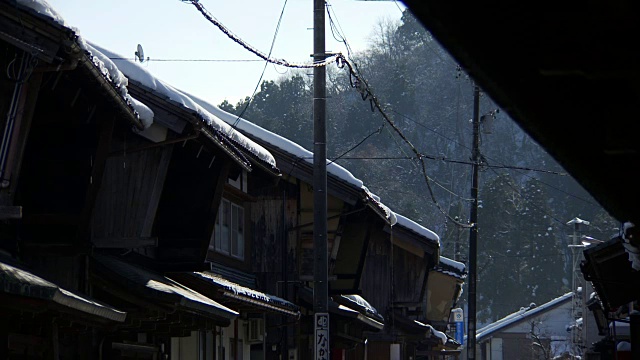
(295,150)
(521,314)
(417,228)
(333,169)
(140,114)
(142,76)
(451,267)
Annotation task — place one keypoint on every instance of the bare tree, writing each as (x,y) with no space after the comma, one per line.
(540,344)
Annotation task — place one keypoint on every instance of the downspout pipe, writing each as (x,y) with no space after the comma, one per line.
(285,237)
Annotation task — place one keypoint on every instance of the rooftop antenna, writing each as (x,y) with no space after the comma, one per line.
(140,54)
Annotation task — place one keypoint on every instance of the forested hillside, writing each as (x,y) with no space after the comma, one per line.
(526,198)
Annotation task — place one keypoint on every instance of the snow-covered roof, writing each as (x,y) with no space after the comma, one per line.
(43,7)
(110,71)
(434,333)
(238,291)
(451,267)
(578,221)
(215,117)
(120,74)
(360,302)
(106,67)
(20,282)
(416,228)
(333,169)
(141,75)
(522,314)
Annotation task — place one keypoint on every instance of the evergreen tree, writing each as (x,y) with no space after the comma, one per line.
(522,240)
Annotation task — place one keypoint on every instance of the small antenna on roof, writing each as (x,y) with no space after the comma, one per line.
(140,54)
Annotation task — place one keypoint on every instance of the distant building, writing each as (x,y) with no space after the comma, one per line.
(534,332)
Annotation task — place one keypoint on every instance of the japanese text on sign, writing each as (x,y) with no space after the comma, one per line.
(321,344)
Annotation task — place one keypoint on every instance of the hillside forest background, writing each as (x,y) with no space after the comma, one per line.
(526,198)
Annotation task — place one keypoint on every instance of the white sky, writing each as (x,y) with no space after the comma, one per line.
(171,29)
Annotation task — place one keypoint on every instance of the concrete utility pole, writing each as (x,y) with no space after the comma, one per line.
(473,232)
(320,286)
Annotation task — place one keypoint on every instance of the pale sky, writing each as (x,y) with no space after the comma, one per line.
(171,29)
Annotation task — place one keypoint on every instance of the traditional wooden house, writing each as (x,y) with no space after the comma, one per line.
(282,222)
(93,209)
(58,112)
(444,287)
(420,293)
(374,254)
(183,226)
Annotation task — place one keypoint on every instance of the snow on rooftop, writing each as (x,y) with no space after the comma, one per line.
(278,141)
(43,7)
(295,150)
(101,59)
(417,228)
(452,263)
(108,69)
(332,168)
(137,73)
(523,313)
(362,303)
(439,334)
(213,115)
(119,81)
(237,289)
(578,221)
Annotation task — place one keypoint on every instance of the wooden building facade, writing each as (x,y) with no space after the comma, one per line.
(136,223)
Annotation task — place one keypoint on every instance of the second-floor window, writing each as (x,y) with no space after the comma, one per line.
(228,235)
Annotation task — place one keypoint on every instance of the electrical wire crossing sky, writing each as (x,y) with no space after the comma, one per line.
(190,53)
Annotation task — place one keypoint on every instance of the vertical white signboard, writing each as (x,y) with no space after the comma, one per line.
(321,345)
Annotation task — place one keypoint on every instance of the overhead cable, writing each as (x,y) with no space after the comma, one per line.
(331,59)
(273,42)
(186,60)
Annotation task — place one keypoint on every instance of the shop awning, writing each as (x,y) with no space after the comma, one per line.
(19,282)
(349,312)
(235,295)
(348,306)
(158,289)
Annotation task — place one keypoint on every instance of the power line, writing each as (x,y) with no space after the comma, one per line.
(377,131)
(186,60)
(342,38)
(443,159)
(503,166)
(337,29)
(532,204)
(266,63)
(360,84)
(365,91)
(468,162)
(207,15)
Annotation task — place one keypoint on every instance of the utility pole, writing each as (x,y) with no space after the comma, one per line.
(320,247)
(578,302)
(473,231)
